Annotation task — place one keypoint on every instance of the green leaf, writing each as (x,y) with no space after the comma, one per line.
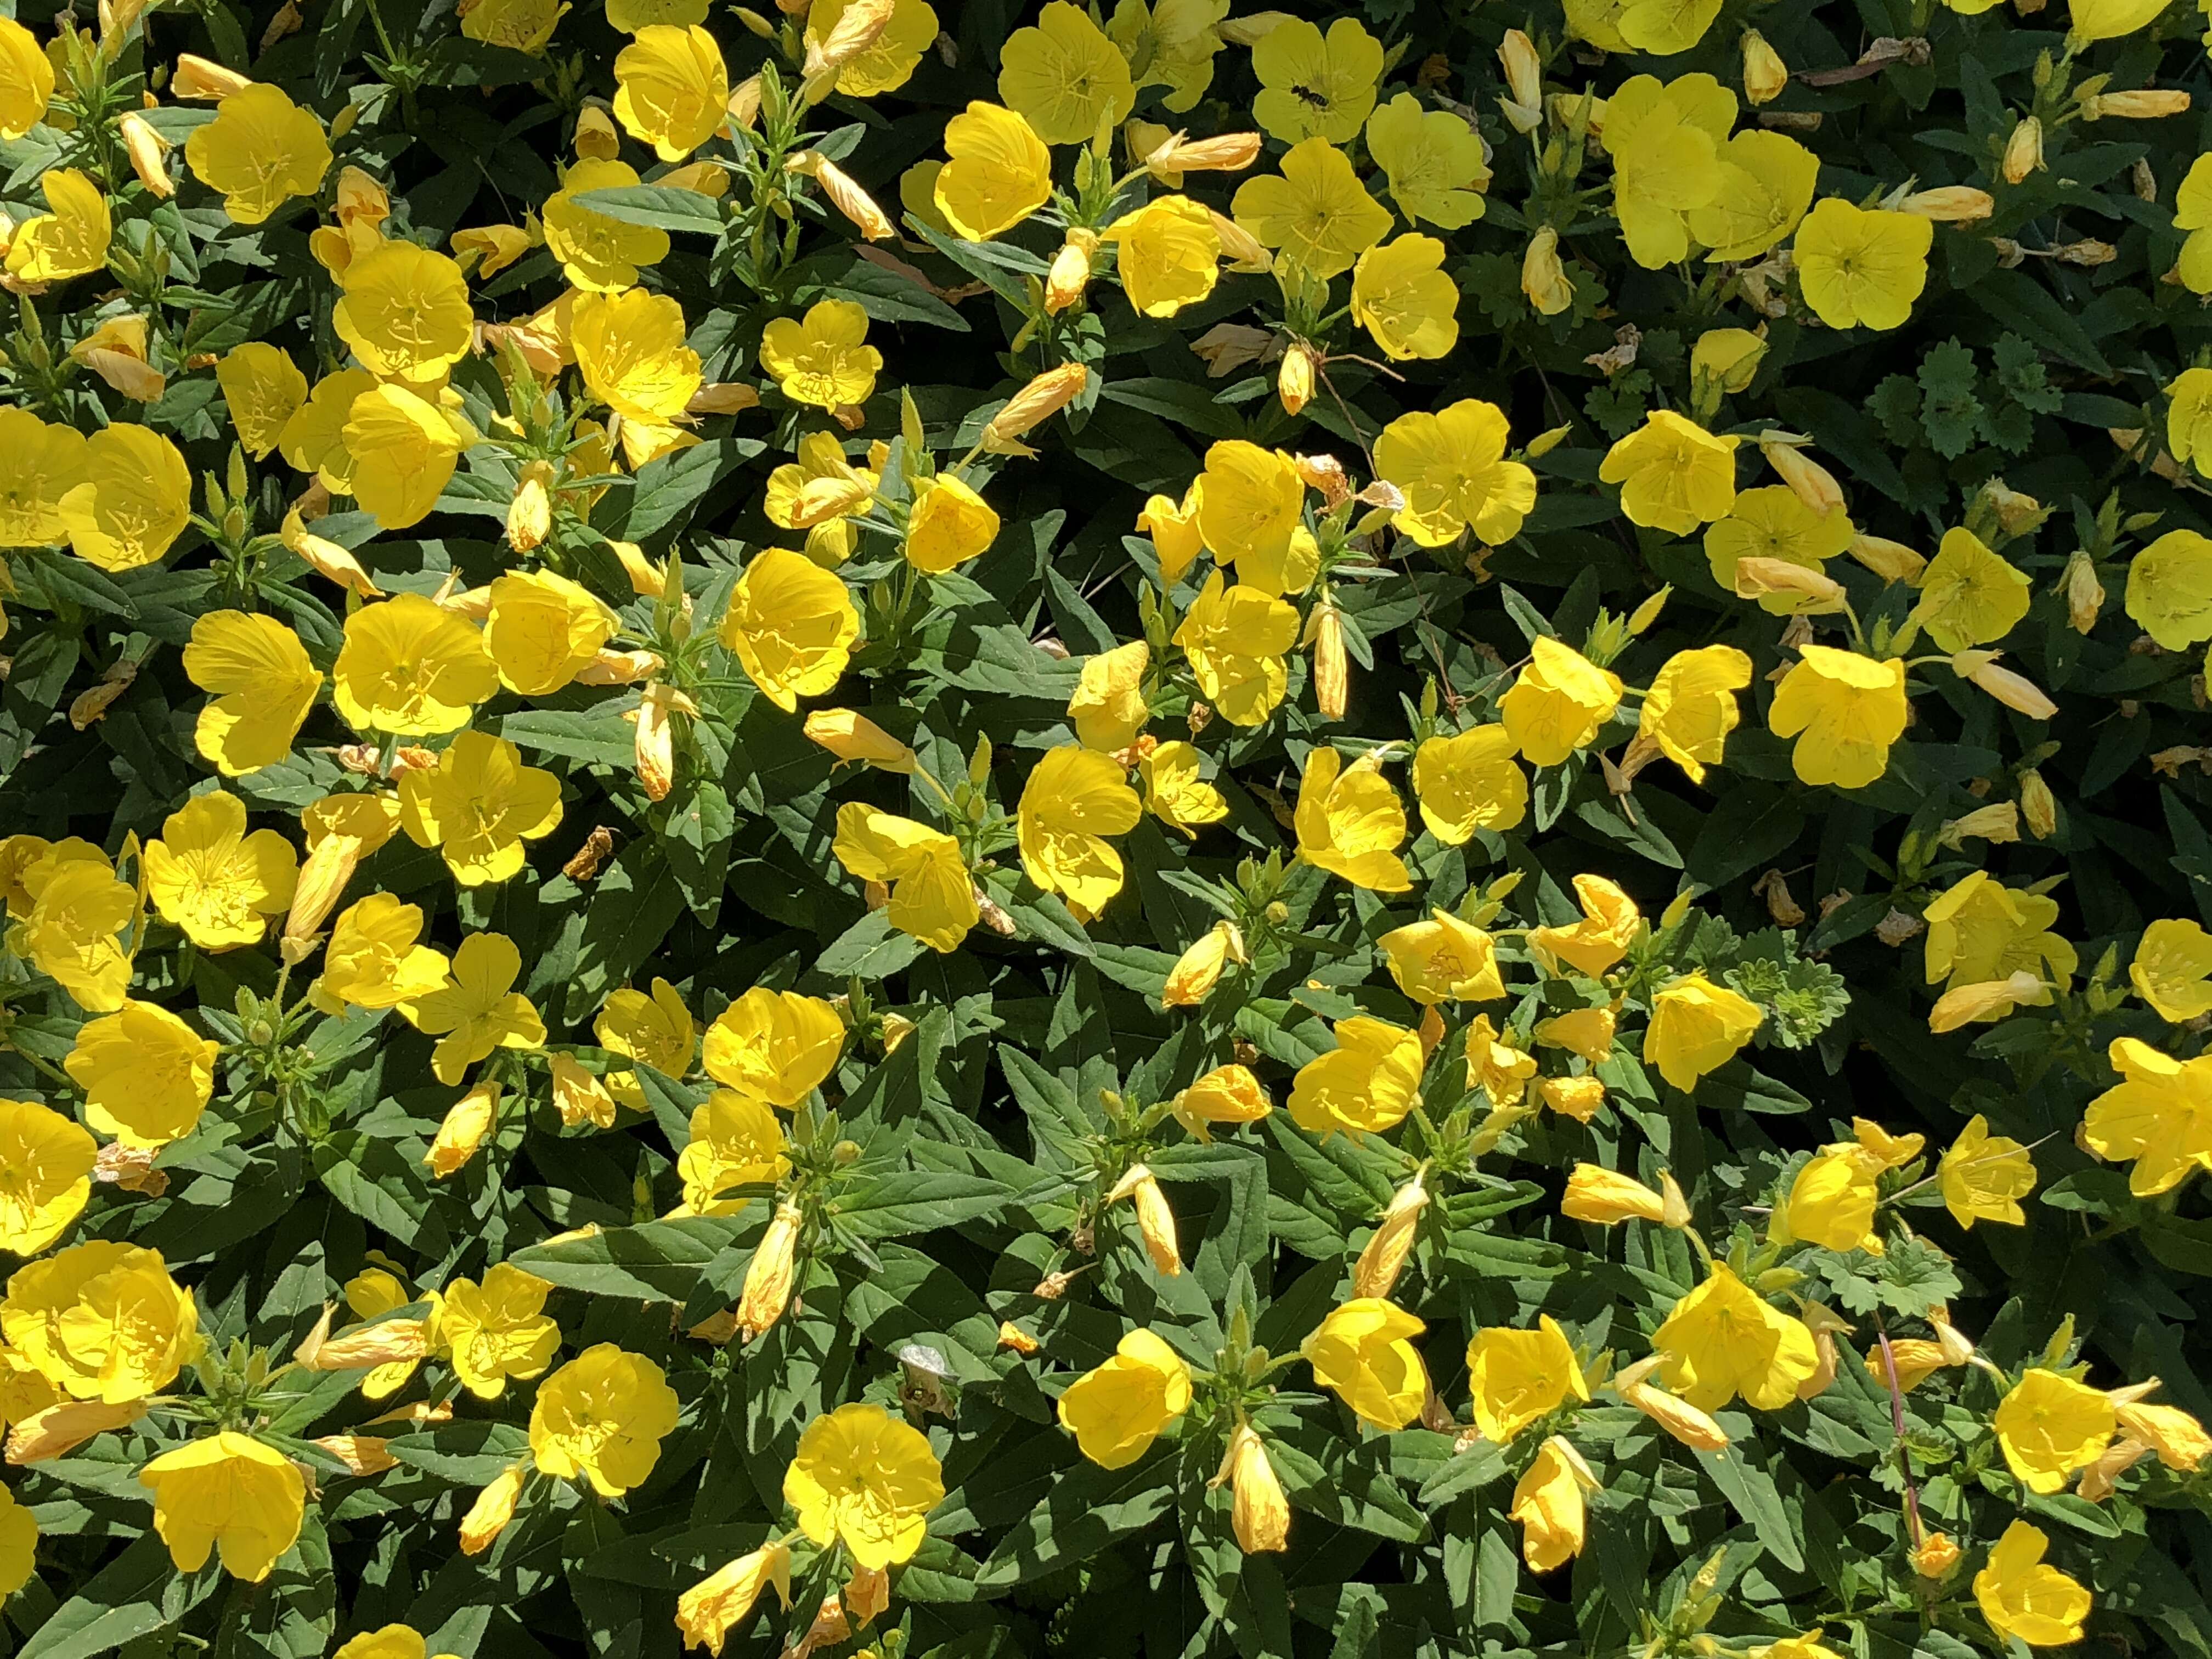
(657,206)
(652,1261)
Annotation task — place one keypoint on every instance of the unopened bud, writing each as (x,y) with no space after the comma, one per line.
(1294,380)
(1544,280)
(1765,74)
(2023,151)
(2038,806)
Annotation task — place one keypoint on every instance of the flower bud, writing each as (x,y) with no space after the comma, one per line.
(1045,396)
(2014,691)
(620,667)
(1071,270)
(1694,1428)
(1199,969)
(768,1276)
(2038,805)
(858,27)
(529,514)
(327,558)
(707,1612)
(465,1128)
(1893,562)
(144,146)
(1814,485)
(387,1342)
(1765,74)
(1544,280)
(853,737)
(1384,1257)
(1950,204)
(362,1454)
(1259,1512)
(655,750)
(596,139)
(1935,1556)
(1988,999)
(2085,593)
(1606,1196)
(845,194)
(744,105)
(1228,152)
(1811,592)
(1294,380)
(1242,251)
(203,82)
(1524,81)
(2143,105)
(1726,357)
(61,1429)
(1332,673)
(2023,151)
(1997,824)
(1154,1220)
(494,1508)
(579,1096)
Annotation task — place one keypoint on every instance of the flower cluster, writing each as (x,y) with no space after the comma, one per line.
(1089,828)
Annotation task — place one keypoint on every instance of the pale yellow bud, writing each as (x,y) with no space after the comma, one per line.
(1242,250)
(2143,105)
(2085,593)
(845,194)
(1952,205)
(327,558)
(494,1508)
(1997,824)
(1331,669)
(2038,805)
(579,1096)
(768,1276)
(2014,691)
(858,27)
(362,1454)
(1727,357)
(1294,380)
(1524,81)
(1813,593)
(203,82)
(62,1428)
(1384,1257)
(1045,396)
(529,514)
(597,139)
(1544,280)
(1647,612)
(656,737)
(1812,483)
(1228,152)
(1765,74)
(1199,969)
(620,667)
(853,737)
(746,103)
(1155,1220)
(464,1130)
(1259,1513)
(1687,1423)
(388,1342)
(144,146)
(1893,562)
(2023,151)
(1966,1003)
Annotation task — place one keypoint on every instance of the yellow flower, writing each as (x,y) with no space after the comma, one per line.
(1227,1094)
(1073,799)
(518,25)
(134,499)
(671,90)
(2178,1439)
(373,960)
(656,1029)
(2192,212)
(932,896)
(263,388)
(1180,38)
(1980,930)
(1176,541)
(1433,160)
(1845,710)
(1250,506)
(1109,707)
(1771,522)
(998,172)
(478,805)
(1610,924)
(497,1329)
(1969,596)
(261,150)
(2170,589)
(1117,1410)
(630,15)
(1665,142)
(865,1479)
(823,361)
(888,62)
(215,880)
(1558,703)
(791,624)
(2159,1115)
(1362,1349)
(1401,297)
(1984,1176)
(2108,20)
(1585,1032)
(542,629)
(1690,708)
(949,524)
(227,1491)
(1548,1502)
(45,461)
(2050,1425)
(1316,85)
(602,1416)
(1064,77)
(820,493)
(2173,970)
(77,908)
(599,254)
(27,80)
(493,1509)
(1674,474)
(1451,468)
(405,310)
(1316,214)
(1351,824)
(1831,1202)
(1862,265)
(46,1175)
(1696,1027)
(72,239)
(1199,969)
(1468,781)
(404,449)
(776,1046)
(1496,1066)
(370,1295)
(314,438)
(1235,639)
(1443,959)
(1722,1340)
(1516,1377)
(1366,1083)
(478,1010)
(707,1612)
(2023,1597)
(264,686)
(736,1140)
(101,1320)
(1168,253)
